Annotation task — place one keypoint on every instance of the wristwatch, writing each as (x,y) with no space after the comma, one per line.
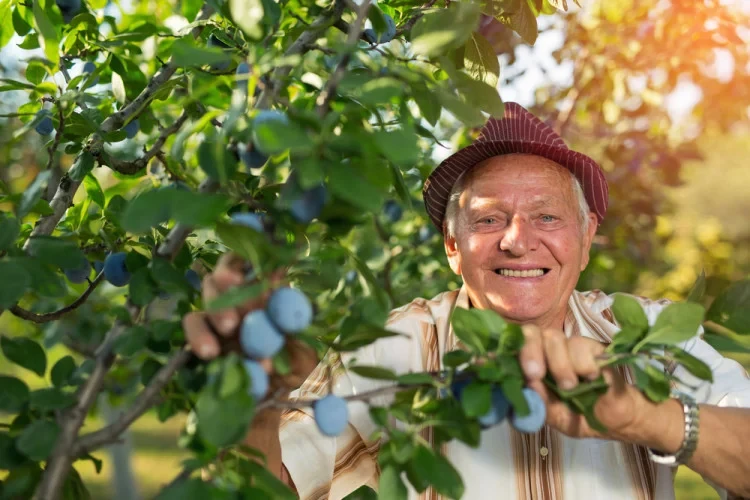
(690,441)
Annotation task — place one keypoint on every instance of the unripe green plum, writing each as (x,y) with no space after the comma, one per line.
(259,337)
(331,415)
(290,310)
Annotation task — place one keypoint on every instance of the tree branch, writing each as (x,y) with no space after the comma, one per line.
(109,434)
(51,316)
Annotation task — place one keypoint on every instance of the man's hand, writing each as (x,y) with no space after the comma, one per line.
(211,334)
(567,359)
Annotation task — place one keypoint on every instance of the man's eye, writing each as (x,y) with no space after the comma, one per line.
(487,220)
(548,218)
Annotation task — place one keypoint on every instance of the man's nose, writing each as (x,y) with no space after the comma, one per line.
(517,237)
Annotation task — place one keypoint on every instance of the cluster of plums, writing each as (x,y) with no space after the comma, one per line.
(500,409)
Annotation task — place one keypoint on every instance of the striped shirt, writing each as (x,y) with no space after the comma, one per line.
(507,464)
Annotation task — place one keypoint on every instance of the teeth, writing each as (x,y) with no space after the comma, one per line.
(528,273)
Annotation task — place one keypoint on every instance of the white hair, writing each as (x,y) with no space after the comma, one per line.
(452,209)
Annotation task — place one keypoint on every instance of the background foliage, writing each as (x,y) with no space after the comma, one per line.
(658,93)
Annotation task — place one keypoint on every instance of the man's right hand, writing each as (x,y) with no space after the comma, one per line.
(215,333)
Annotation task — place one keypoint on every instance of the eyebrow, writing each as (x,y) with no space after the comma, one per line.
(536,203)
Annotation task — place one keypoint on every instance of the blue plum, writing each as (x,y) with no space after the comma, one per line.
(393,211)
(98,266)
(498,411)
(259,381)
(386,36)
(264,134)
(68,8)
(425,233)
(534,421)
(331,415)
(253,221)
(290,310)
(45,125)
(213,41)
(252,158)
(115,270)
(131,129)
(259,337)
(79,274)
(308,205)
(242,69)
(90,67)
(193,279)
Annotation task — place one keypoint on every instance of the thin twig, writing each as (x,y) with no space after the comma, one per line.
(51,316)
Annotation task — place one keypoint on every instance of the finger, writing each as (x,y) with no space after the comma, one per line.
(276,279)
(583,352)
(225,321)
(199,336)
(531,356)
(558,360)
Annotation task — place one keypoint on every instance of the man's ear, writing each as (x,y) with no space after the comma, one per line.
(451,250)
(588,239)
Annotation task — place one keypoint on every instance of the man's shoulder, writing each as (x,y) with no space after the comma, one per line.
(425,310)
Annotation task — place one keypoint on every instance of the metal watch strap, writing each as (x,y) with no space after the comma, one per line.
(690,441)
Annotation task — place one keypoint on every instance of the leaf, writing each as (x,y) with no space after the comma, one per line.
(132,341)
(653,382)
(63,370)
(14,395)
(522,22)
(51,399)
(236,296)
(676,323)
(83,165)
(189,489)
(629,313)
(476,399)
(152,207)
(467,114)
(223,421)
(726,344)
(17,281)
(248,16)
(244,241)
(10,458)
(375,372)
(38,439)
(56,251)
(692,364)
(456,358)
(34,192)
(731,308)
(416,379)
(348,184)
(390,485)
(480,95)
(361,336)
(186,53)
(699,288)
(480,60)
(559,4)
(438,471)
(267,481)
(513,390)
(190,8)
(625,339)
(9,229)
(471,329)
(25,353)
(401,146)
(429,105)
(48,32)
(440,31)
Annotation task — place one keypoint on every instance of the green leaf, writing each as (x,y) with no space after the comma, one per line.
(629,313)
(17,281)
(522,22)
(132,341)
(726,344)
(33,193)
(190,489)
(10,458)
(74,488)
(268,482)
(9,229)
(476,399)
(248,16)
(625,339)
(375,372)
(692,364)
(223,420)
(38,439)
(438,471)
(45,280)
(390,485)
(51,399)
(480,60)
(513,390)
(56,251)
(676,323)
(83,165)
(348,184)
(236,296)
(275,136)
(481,95)
(186,53)
(362,493)
(471,329)
(63,370)
(150,208)
(653,382)
(94,190)
(416,379)
(25,353)
(49,33)
(456,358)
(6,20)
(440,31)
(511,340)
(215,160)
(429,105)
(731,308)
(21,481)
(14,395)
(699,288)
(244,241)
(401,146)
(361,336)
(467,114)
(190,8)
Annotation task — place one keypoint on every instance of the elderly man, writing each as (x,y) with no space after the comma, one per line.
(518,211)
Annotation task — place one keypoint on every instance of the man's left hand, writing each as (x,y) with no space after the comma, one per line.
(567,360)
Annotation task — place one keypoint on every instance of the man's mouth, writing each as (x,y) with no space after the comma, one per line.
(525,273)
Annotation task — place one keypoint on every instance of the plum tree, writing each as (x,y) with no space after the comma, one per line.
(116,270)
(259,380)
(331,415)
(534,421)
(290,310)
(259,337)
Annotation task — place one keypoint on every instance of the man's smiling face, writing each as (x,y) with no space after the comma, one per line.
(519,242)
